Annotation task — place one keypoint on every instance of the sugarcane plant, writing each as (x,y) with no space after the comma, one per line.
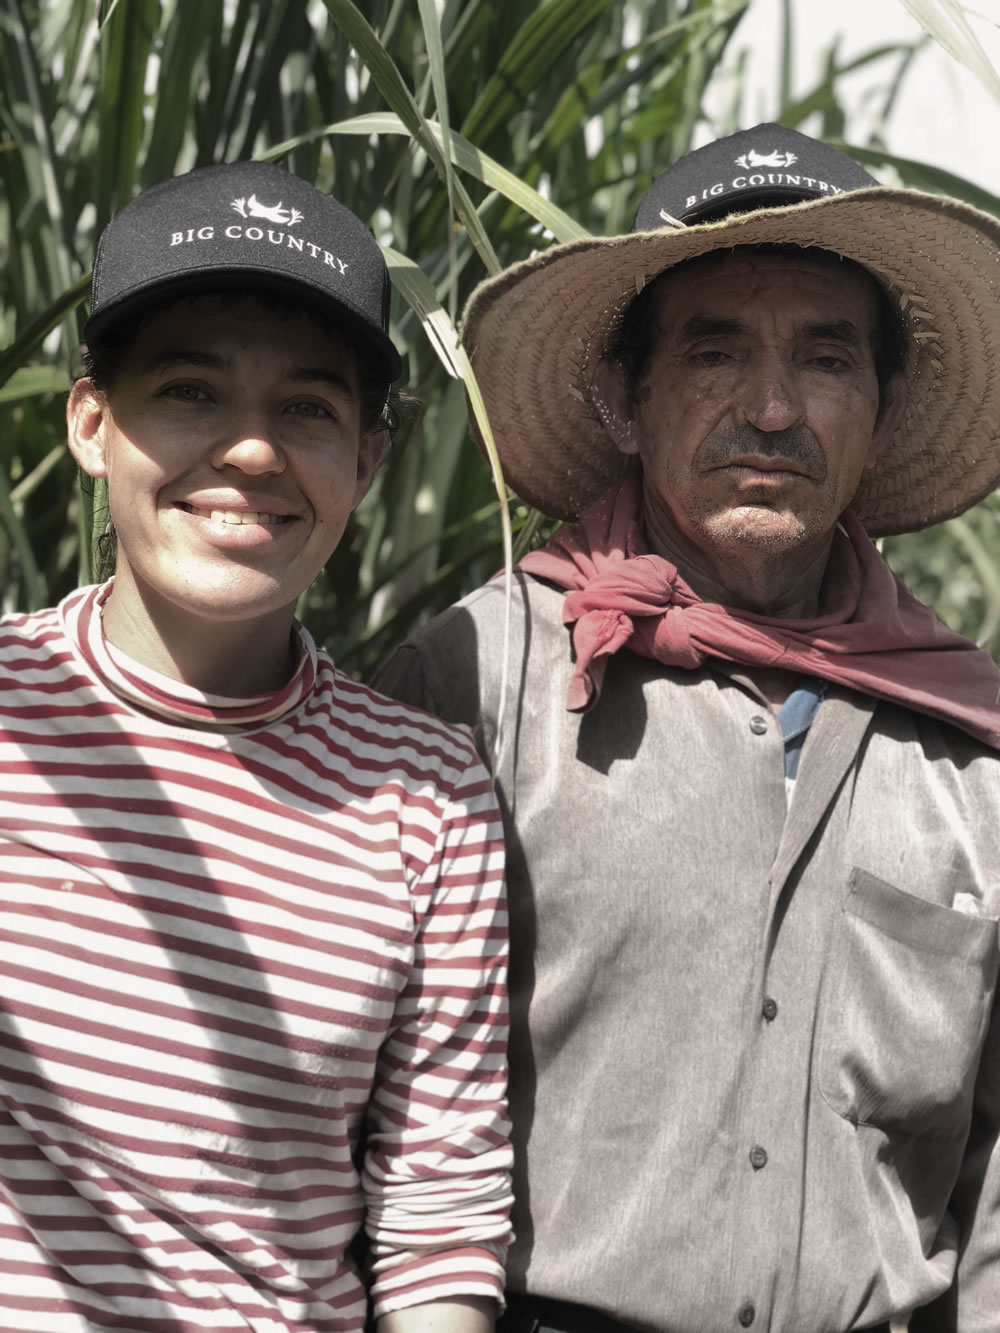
(469,134)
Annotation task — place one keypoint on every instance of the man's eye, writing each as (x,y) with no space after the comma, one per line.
(710,356)
(185,393)
(829,362)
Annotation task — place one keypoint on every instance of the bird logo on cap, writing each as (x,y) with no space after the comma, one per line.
(774,159)
(252,208)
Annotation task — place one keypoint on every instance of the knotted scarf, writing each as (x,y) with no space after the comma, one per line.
(871,635)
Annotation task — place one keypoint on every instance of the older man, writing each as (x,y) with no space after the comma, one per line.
(751,786)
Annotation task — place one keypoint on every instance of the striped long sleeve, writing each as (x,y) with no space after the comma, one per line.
(252,959)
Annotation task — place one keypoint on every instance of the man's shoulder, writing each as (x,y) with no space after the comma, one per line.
(453,665)
(533,603)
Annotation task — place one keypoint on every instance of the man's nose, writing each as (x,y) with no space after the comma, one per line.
(251,444)
(772,400)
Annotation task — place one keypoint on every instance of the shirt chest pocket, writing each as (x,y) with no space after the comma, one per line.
(907,998)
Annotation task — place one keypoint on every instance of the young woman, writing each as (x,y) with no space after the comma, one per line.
(252,931)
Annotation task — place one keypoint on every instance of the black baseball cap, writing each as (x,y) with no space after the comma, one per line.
(247,225)
(766,167)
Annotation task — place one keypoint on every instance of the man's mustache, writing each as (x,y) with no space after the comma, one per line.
(796,445)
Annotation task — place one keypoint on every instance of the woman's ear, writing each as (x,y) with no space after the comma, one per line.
(86,417)
(610,396)
(371,452)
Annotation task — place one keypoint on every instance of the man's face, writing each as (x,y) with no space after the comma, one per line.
(758,410)
(234,451)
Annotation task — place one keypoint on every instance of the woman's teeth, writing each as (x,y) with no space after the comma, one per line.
(236,516)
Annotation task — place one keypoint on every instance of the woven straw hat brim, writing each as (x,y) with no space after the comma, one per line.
(536,333)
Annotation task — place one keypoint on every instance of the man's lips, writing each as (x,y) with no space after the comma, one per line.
(759,467)
(763,463)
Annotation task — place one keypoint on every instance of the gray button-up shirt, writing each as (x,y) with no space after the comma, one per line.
(748,1066)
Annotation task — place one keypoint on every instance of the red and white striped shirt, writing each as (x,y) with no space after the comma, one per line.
(252,966)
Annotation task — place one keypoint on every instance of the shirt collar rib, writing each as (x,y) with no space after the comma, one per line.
(163,697)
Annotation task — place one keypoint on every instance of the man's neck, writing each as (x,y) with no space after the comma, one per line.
(774,684)
(237,660)
(784,583)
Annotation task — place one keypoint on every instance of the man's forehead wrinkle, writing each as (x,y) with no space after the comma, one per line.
(838,330)
(712,326)
(716,326)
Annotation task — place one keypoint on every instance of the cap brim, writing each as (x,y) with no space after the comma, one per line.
(371,342)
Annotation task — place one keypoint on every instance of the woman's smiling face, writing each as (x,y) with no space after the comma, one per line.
(234,446)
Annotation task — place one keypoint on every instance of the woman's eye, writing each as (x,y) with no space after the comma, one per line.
(314,411)
(185,393)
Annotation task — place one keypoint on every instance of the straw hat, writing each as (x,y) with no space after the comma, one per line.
(536,332)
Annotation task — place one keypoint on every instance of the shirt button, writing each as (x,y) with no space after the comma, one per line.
(746,1315)
(758,1158)
(769,1009)
(757,725)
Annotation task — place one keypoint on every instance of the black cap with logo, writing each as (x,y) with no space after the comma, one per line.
(245,225)
(768,166)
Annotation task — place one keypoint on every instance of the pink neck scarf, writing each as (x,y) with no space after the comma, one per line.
(872,635)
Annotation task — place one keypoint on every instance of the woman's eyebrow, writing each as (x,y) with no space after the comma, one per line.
(322,375)
(166,358)
(171,358)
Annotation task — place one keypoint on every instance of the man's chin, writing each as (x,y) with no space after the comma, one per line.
(758,526)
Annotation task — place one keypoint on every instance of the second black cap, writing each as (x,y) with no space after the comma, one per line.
(759,168)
